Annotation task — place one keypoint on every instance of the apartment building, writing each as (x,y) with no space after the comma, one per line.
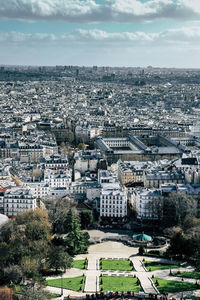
(57,178)
(148,204)
(18,200)
(113,205)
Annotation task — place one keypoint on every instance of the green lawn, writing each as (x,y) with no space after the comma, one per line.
(75,283)
(118,284)
(171,286)
(112,264)
(194,275)
(153,266)
(54,295)
(80,264)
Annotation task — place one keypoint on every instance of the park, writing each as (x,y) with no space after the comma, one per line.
(114,267)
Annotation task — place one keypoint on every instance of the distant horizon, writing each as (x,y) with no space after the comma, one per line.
(100,66)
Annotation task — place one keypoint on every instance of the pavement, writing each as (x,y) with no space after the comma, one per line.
(116,250)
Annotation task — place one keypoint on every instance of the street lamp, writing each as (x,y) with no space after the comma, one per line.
(182,296)
(170,272)
(62,284)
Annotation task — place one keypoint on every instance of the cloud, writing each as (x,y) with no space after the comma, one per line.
(96,47)
(135,10)
(30,10)
(88,38)
(88,11)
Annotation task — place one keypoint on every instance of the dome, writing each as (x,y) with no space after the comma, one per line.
(144,238)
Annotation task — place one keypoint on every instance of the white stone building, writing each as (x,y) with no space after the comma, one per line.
(39,190)
(18,200)
(56,161)
(113,205)
(57,178)
(113,198)
(148,204)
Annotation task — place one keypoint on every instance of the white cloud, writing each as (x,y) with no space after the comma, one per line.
(89,38)
(89,47)
(88,11)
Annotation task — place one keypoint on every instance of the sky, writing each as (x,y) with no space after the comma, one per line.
(130,33)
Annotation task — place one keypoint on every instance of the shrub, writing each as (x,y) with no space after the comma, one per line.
(141,250)
(157,252)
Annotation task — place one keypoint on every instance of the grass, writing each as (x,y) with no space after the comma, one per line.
(80,264)
(148,254)
(118,284)
(112,264)
(54,295)
(153,266)
(74,284)
(193,275)
(171,286)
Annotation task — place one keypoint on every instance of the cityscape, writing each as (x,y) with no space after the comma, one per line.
(116,150)
(99,149)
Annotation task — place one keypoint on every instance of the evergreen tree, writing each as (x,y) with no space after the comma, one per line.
(87,218)
(77,241)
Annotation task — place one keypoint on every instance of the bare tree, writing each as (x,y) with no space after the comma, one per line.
(177,207)
(57,210)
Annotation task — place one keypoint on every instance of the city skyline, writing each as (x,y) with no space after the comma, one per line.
(161,33)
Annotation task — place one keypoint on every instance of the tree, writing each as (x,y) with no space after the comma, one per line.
(63,148)
(86,240)
(6,293)
(5,253)
(37,173)
(71,221)
(190,222)
(58,241)
(58,210)
(177,207)
(155,208)
(177,245)
(193,243)
(6,231)
(141,250)
(26,236)
(87,219)
(30,292)
(29,267)
(76,240)
(58,258)
(13,274)
(82,146)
